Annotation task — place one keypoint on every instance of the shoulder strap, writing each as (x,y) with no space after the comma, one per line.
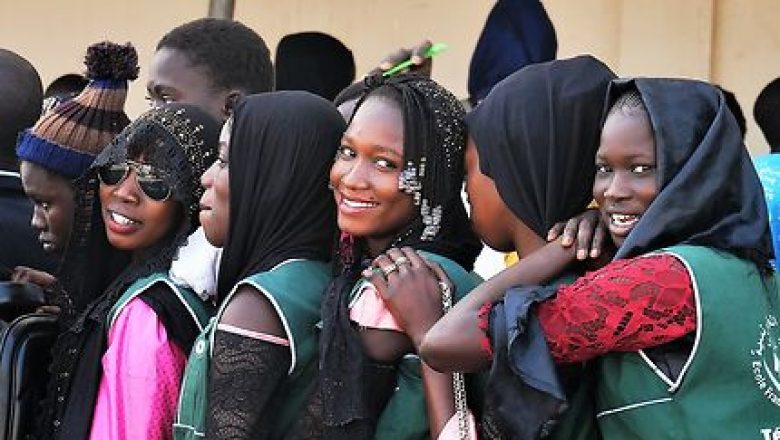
(306,277)
(191,302)
(463,280)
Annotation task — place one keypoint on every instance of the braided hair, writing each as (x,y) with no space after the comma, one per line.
(434,144)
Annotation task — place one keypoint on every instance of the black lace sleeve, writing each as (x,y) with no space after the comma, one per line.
(309,425)
(244,375)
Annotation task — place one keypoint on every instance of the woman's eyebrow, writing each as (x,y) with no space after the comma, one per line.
(386,150)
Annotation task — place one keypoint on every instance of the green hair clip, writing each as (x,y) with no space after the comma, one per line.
(435,49)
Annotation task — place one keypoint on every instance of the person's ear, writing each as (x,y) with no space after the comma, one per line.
(231,100)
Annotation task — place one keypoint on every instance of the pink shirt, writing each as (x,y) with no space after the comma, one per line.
(142,370)
(369,310)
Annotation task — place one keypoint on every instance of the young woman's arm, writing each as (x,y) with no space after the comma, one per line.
(455,343)
(251,357)
(413,295)
(627,305)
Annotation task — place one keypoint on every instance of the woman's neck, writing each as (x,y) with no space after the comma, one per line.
(375,246)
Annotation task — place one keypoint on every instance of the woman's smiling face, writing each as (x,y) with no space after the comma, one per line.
(365,174)
(626,182)
(133,220)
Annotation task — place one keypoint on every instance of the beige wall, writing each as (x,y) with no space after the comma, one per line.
(53,34)
(735,43)
(371,28)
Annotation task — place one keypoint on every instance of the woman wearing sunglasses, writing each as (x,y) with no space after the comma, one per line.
(118,366)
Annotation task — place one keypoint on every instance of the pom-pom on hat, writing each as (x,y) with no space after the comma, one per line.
(67,138)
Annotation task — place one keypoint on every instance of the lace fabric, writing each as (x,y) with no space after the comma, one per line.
(243,378)
(309,425)
(627,305)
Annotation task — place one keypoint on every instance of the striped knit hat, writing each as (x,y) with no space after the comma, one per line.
(67,138)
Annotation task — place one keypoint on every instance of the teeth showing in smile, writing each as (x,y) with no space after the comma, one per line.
(623,220)
(357,204)
(122,220)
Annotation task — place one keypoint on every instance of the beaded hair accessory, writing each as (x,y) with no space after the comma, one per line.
(449,143)
(189,136)
(179,126)
(176,143)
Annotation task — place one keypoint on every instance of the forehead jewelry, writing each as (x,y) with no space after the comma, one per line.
(182,129)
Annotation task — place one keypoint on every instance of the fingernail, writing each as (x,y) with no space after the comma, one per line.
(417,59)
(566,241)
(594,253)
(581,254)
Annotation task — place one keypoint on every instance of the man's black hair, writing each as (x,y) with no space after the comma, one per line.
(767,114)
(233,54)
(68,84)
(21,98)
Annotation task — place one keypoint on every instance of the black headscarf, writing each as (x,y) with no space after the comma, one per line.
(517,33)
(537,133)
(315,62)
(709,193)
(180,141)
(434,144)
(281,149)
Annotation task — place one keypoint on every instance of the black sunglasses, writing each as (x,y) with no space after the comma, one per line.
(146,177)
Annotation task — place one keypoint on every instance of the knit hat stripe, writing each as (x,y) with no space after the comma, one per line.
(73,133)
(62,132)
(53,157)
(77,108)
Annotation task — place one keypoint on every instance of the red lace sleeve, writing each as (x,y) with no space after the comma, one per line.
(627,305)
(484,322)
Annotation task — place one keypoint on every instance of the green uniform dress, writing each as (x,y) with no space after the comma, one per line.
(295,289)
(729,387)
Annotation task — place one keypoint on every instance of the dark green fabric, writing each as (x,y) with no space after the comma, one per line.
(525,390)
(295,289)
(189,299)
(730,389)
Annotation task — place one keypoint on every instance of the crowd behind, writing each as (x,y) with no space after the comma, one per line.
(268,254)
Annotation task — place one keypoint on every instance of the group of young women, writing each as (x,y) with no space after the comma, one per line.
(346,306)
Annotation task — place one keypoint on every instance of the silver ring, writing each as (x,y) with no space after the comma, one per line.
(401,260)
(390,268)
(446,296)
